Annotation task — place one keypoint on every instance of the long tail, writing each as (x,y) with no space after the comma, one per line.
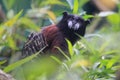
(35,42)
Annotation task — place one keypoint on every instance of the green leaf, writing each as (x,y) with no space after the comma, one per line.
(63,53)
(114,18)
(86,17)
(1,30)
(2,62)
(56,59)
(11,43)
(12,21)
(111,62)
(8,3)
(76,6)
(20,62)
(53,2)
(70,48)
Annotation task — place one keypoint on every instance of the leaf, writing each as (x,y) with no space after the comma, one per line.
(56,59)
(111,62)
(11,43)
(8,3)
(29,23)
(2,62)
(86,17)
(76,6)
(53,2)
(63,54)
(79,63)
(51,15)
(114,18)
(70,2)
(1,30)
(70,48)
(12,21)
(20,62)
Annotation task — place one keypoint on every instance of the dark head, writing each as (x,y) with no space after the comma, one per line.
(70,25)
(73,22)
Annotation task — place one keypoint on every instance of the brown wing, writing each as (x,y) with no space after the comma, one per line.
(35,43)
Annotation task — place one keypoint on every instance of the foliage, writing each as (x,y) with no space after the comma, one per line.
(95,57)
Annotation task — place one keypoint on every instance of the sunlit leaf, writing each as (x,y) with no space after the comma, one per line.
(51,15)
(114,18)
(103,62)
(86,17)
(76,6)
(53,2)
(12,21)
(1,30)
(70,48)
(79,63)
(111,62)
(11,43)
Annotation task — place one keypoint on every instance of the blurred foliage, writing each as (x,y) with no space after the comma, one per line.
(95,57)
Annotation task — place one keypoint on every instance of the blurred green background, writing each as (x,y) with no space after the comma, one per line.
(97,55)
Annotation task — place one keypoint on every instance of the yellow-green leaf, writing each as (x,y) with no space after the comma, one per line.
(51,15)
(76,5)
(70,48)
(11,43)
(20,62)
(12,21)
